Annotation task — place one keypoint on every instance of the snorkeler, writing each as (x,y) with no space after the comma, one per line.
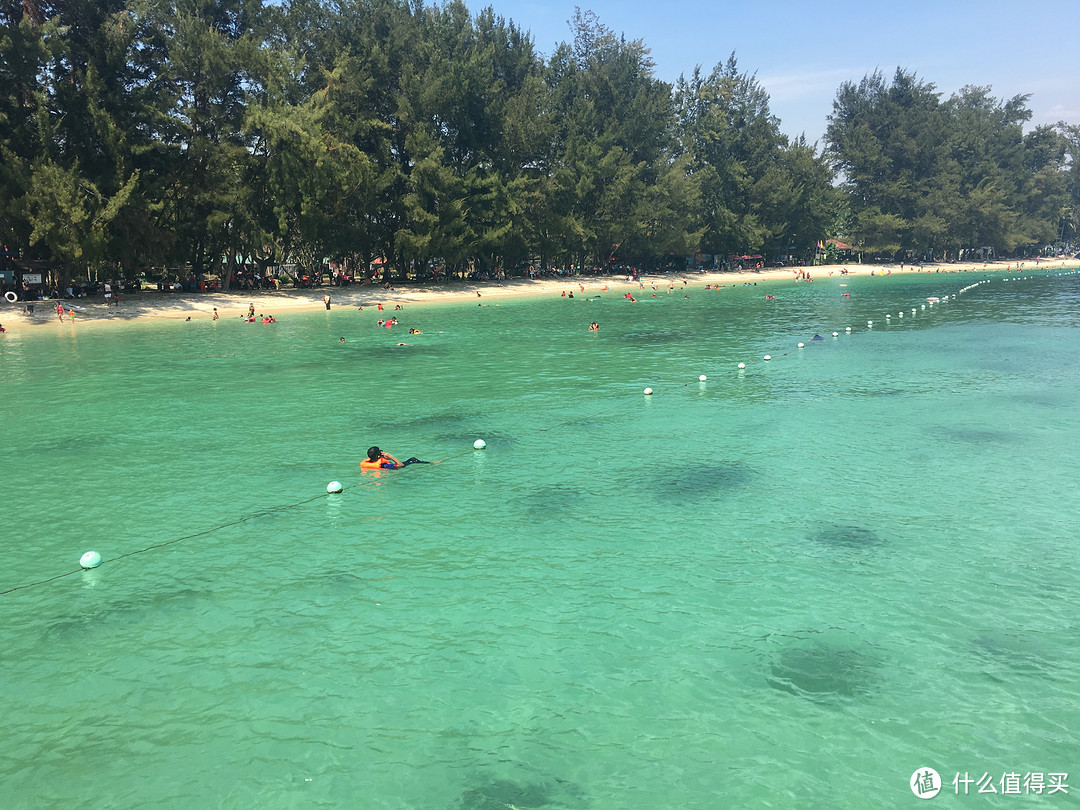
(378,460)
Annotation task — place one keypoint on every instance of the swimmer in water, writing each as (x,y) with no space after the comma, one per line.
(594,327)
(378,460)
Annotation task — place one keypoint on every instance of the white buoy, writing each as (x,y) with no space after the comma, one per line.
(901,314)
(847,328)
(479,444)
(742,366)
(923,306)
(836,334)
(888,317)
(647,391)
(702,378)
(869,323)
(334,487)
(801,345)
(90,559)
(768,357)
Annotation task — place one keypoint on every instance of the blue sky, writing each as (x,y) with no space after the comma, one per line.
(802,51)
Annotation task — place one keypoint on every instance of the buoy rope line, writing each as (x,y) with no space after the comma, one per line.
(212,529)
(202,533)
(367,483)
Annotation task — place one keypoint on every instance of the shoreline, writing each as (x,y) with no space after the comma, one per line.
(152,305)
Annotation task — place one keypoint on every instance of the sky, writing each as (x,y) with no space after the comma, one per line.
(802,51)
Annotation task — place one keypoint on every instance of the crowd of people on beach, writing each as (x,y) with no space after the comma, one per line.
(67,312)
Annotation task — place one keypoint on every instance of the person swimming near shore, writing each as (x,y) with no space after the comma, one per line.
(378,460)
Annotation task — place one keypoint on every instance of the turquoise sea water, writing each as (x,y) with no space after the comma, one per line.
(788,586)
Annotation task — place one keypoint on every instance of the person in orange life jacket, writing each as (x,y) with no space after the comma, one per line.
(378,460)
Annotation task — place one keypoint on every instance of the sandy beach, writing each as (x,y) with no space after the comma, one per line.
(155,305)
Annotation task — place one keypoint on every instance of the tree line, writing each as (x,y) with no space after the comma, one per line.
(140,134)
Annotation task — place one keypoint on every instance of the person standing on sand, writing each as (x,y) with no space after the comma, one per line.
(60,312)
(326,300)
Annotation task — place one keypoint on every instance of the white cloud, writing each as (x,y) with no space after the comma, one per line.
(789,86)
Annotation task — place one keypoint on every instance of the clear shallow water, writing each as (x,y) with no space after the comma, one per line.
(790,586)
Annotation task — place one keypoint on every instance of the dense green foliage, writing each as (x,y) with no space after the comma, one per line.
(192,133)
(926,178)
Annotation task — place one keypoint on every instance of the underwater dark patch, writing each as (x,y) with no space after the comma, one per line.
(696,481)
(502,793)
(410,348)
(821,672)
(1014,651)
(973,435)
(443,419)
(657,338)
(127,613)
(551,501)
(841,535)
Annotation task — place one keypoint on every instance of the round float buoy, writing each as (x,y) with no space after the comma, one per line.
(334,487)
(869,323)
(11,296)
(742,366)
(479,444)
(836,334)
(888,317)
(647,391)
(768,357)
(801,345)
(702,378)
(847,329)
(901,314)
(90,559)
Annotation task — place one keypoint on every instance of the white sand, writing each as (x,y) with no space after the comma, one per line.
(154,305)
